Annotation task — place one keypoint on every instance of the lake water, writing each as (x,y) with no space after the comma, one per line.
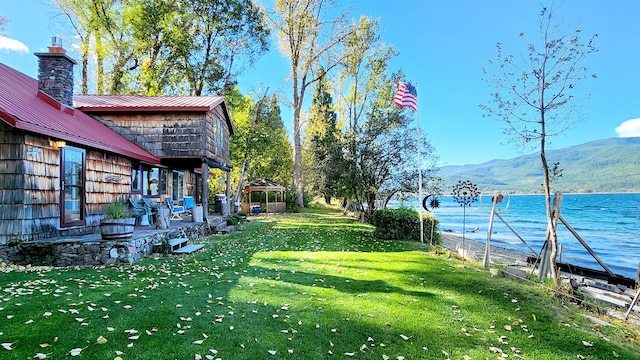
(609,223)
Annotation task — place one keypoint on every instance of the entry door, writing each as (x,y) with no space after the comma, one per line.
(72,186)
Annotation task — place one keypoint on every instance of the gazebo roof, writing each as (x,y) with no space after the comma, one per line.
(263,184)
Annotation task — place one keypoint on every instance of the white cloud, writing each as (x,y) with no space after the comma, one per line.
(629,128)
(9,44)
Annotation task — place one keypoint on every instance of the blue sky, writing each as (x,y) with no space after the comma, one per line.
(443,46)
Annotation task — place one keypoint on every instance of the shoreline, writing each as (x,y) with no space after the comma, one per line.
(475,250)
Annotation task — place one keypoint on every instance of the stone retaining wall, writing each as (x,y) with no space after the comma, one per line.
(62,253)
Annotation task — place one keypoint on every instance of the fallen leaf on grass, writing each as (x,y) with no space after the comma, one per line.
(349,354)
(101,340)
(7,346)
(272,352)
(75,352)
(587,344)
(198,342)
(404,337)
(508,327)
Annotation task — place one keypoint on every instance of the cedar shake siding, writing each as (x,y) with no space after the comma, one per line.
(31,185)
(174,134)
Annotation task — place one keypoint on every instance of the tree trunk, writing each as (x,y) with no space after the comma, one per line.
(553,236)
(297,148)
(243,173)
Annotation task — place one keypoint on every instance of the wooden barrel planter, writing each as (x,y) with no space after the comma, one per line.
(117,229)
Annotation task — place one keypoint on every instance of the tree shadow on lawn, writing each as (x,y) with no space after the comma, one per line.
(343,284)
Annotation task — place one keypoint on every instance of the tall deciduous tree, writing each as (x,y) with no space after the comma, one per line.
(160,46)
(533,94)
(3,23)
(307,36)
(379,140)
(223,37)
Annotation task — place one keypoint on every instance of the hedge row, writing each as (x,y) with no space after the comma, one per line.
(404,224)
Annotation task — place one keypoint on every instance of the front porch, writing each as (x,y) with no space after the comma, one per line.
(91,250)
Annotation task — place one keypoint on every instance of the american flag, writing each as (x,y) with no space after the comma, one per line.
(407,96)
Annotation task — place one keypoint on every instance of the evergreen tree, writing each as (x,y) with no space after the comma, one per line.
(323,142)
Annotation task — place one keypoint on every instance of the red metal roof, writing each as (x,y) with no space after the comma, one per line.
(23,107)
(100,104)
(118,103)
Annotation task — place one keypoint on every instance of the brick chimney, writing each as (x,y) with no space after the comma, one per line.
(55,73)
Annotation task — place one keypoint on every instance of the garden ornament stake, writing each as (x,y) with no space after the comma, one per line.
(434,203)
(465,193)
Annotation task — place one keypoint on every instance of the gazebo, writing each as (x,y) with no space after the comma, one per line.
(264,205)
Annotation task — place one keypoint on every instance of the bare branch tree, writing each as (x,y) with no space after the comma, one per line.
(533,94)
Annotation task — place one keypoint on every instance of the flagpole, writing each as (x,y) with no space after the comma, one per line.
(419,172)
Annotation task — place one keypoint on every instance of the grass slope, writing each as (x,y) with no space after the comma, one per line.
(610,165)
(302,286)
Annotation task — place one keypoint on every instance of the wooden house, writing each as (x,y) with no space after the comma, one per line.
(60,165)
(190,135)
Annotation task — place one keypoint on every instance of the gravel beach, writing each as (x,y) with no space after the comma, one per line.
(475,250)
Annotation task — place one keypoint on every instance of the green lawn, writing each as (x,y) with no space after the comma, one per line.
(301,286)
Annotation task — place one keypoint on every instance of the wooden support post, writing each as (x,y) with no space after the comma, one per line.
(586,246)
(226,206)
(205,189)
(516,234)
(633,303)
(545,255)
(487,247)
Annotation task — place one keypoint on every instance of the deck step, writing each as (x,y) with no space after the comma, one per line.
(226,229)
(188,249)
(178,243)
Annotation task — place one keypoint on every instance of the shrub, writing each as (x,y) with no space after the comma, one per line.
(292,206)
(403,224)
(232,221)
(116,210)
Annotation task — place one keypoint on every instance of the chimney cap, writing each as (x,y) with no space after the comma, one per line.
(56,41)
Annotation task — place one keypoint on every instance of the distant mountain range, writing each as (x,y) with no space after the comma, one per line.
(609,165)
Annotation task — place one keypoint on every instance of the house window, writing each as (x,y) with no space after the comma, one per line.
(149,180)
(218,134)
(73,161)
(136,183)
(177,191)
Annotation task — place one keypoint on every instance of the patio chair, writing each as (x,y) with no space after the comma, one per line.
(140,211)
(151,205)
(189,203)
(175,211)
